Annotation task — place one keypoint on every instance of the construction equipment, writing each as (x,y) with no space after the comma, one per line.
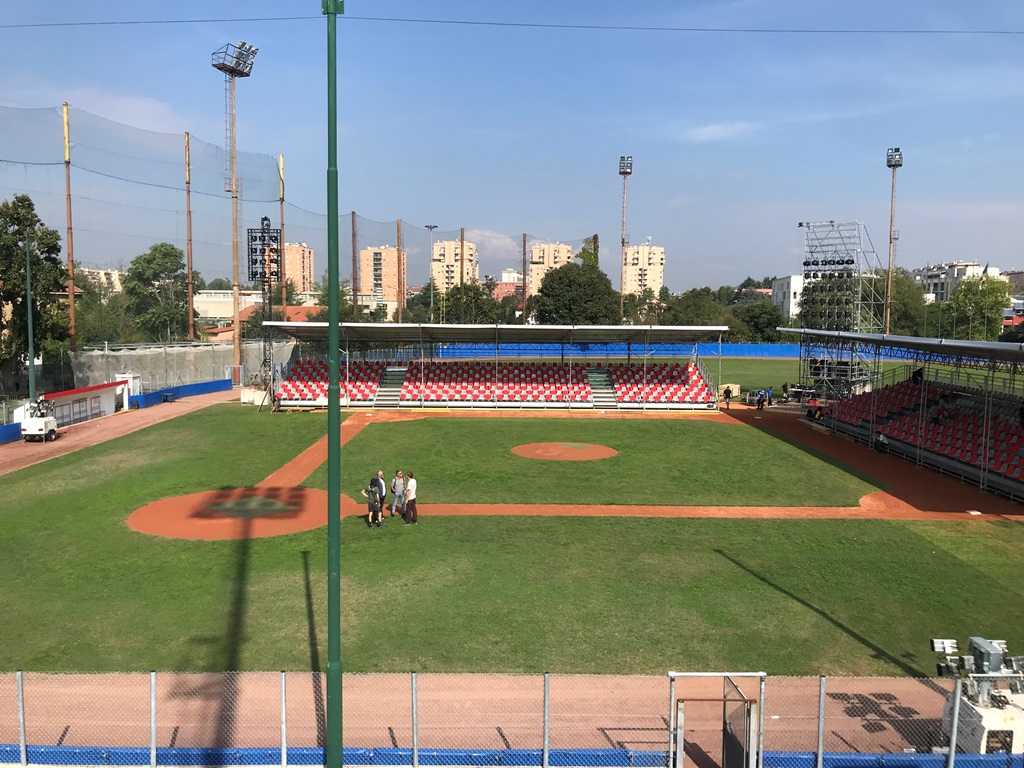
(40,423)
(991,712)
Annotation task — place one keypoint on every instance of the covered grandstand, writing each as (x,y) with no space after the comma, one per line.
(388,365)
(955,406)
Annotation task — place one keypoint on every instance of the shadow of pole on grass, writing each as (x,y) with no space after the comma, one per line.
(231,643)
(314,658)
(876,650)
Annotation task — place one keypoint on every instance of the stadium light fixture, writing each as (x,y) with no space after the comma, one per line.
(625,170)
(893,160)
(234,61)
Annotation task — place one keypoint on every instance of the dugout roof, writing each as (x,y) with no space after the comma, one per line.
(501,334)
(1002,351)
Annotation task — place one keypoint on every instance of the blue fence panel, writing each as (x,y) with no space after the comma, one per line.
(522,757)
(158,396)
(10,433)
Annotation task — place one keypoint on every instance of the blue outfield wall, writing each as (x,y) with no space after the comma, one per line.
(183,390)
(708,349)
(562,758)
(9,433)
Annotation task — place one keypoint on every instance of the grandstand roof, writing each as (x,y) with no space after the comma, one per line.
(507,334)
(1010,352)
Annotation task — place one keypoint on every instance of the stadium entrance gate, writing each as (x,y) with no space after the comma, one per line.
(727,738)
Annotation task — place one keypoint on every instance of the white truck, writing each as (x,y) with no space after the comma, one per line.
(990,718)
(40,423)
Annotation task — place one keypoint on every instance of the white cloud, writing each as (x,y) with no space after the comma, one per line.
(702,134)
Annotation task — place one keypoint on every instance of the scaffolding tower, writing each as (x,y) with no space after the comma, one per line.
(844,290)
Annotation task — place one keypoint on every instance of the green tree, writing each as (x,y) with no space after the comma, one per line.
(100,316)
(589,254)
(697,306)
(345,314)
(19,223)
(977,307)
(155,289)
(219,284)
(469,304)
(198,283)
(645,309)
(577,294)
(761,318)
(906,310)
(285,291)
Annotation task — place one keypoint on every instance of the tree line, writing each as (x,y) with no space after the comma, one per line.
(152,306)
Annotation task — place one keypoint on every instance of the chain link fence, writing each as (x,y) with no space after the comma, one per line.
(457,719)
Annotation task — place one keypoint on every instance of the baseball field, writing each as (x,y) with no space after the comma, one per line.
(820,587)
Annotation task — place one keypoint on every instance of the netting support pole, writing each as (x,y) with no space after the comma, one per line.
(820,754)
(284,721)
(415,726)
(188,239)
(547,719)
(671,722)
(954,724)
(760,722)
(355,272)
(71,239)
(152,719)
(283,277)
(21,718)
(524,278)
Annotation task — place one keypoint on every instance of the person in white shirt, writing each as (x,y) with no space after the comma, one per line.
(411,518)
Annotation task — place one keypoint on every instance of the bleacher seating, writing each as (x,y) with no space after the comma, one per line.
(305,382)
(660,384)
(513,383)
(947,423)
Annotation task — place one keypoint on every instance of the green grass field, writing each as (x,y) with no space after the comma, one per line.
(81,591)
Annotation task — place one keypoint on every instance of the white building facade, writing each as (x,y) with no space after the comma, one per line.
(786,292)
(939,281)
(446,264)
(543,258)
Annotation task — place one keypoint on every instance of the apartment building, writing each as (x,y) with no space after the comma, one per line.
(644,268)
(381,270)
(543,258)
(446,264)
(297,266)
(107,280)
(940,280)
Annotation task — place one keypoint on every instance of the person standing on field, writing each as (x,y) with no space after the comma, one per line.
(398,493)
(373,503)
(411,517)
(728,397)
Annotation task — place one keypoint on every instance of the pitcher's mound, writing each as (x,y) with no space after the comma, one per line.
(564,451)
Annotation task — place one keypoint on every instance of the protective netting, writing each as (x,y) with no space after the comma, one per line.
(128,193)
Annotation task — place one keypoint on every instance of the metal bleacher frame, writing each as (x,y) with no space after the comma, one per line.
(990,373)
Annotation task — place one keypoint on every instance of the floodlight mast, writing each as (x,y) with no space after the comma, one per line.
(625,170)
(234,61)
(893,159)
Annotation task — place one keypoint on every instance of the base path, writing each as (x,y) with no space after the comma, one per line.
(279,505)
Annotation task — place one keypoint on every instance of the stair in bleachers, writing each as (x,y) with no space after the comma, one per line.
(603,392)
(390,390)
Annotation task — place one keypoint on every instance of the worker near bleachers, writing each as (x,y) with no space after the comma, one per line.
(727,394)
(881,443)
(768,394)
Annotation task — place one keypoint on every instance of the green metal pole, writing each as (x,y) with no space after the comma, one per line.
(31,334)
(334,741)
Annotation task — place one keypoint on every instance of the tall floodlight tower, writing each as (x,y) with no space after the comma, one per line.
(893,159)
(625,169)
(234,61)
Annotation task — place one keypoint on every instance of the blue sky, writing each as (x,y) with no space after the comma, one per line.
(735,136)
